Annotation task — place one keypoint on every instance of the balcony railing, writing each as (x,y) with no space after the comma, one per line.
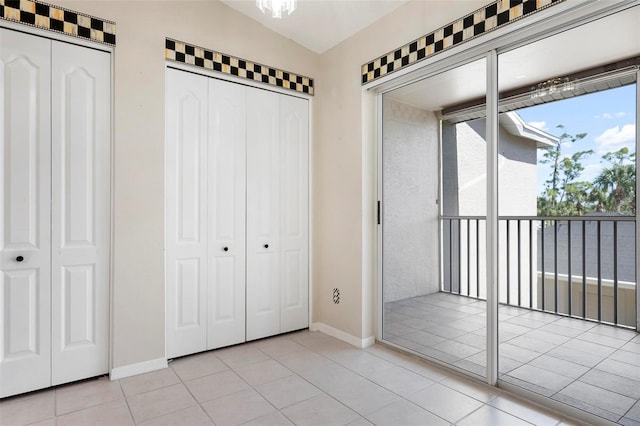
(582,267)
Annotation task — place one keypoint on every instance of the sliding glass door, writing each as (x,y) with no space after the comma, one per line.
(432,266)
(567,205)
(557,256)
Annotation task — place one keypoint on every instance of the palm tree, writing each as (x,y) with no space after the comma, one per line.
(615,187)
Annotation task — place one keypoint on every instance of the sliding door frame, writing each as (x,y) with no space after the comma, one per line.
(545,24)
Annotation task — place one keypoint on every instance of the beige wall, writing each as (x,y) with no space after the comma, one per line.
(138,299)
(338,155)
(340,148)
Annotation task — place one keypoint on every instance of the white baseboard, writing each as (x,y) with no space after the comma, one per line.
(368,341)
(138,368)
(345,337)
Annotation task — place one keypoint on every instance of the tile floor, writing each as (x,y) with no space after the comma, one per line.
(303,378)
(592,367)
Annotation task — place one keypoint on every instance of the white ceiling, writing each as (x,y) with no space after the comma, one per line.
(603,41)
(319,25)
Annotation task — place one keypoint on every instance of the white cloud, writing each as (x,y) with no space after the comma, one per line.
(542,125)
(609,116)
(590,172)
(616,137)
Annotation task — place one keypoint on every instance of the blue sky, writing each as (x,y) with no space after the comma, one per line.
(608,118)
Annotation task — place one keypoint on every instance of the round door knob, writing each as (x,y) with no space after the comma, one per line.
(266,246)
(19,259)
(226,249)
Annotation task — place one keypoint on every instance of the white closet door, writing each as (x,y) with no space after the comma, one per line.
(263,213)
(80,204)
(186,212)
(25,190)
(294,213)
(226,170)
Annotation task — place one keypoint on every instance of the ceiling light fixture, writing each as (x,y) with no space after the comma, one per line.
(277,7)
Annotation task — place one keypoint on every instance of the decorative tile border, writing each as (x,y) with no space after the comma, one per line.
(495,15)
(184,53)
(55,18)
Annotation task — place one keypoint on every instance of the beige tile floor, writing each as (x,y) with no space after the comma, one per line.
(592,367)
(303,378)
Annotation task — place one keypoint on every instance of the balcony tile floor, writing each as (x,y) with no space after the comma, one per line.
(589,366)
(303,378)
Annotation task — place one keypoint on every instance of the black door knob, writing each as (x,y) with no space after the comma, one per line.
(226,249)
(266,246)
(19,259)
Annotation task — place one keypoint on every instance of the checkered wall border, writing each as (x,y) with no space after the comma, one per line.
(58,19)
(497,14)
(179,51)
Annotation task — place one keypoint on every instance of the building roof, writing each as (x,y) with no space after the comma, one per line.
(515,125)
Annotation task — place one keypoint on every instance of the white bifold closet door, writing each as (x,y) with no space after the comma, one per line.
(55,215)
(205,169)
(294,213)
(277,214)
(186,213)
(226,202)
(80,211)
(236,213)
(263,214)
(25,355)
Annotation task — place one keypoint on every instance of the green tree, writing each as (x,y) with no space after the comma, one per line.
(563,194)
(615,187)
(578,196)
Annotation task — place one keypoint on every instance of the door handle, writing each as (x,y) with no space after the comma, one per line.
(226,249)
(19,259)
(266,246)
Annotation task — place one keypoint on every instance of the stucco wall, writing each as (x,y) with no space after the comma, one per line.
(410,209)
(464,194)
(465,151)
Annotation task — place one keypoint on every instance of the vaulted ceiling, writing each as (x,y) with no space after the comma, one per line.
(319,25)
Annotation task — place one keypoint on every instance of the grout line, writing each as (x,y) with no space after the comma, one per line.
(547,352)
(198,403)
(126,401)
(371,381)
(326,352)
(55,405)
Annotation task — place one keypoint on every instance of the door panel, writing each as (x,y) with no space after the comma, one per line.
(227,183)
(294,213)
(263,214)
(80,211)
(25,190)
(77,296)
(186,213)
(21,288)
(77,155)
(187,299)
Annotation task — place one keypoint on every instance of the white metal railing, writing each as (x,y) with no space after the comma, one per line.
(581,267)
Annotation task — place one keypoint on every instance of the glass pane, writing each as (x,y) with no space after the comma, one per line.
(432,263)
(567,287)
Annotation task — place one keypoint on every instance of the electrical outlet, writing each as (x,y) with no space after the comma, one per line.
(336,295)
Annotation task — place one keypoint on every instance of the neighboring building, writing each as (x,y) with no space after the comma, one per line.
(411,211)
(464,189)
